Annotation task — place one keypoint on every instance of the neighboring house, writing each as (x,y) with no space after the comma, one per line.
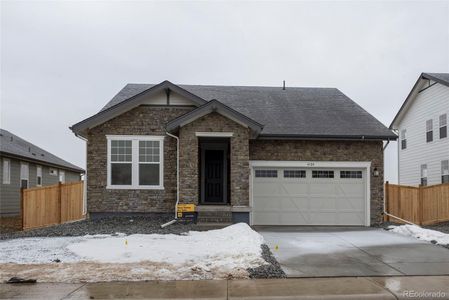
(24,165)
(263,155)
(422,124)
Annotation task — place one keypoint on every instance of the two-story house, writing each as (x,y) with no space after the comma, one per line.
(423,147)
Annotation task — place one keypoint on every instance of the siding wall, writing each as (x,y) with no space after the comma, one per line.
(429,104)
(10,193)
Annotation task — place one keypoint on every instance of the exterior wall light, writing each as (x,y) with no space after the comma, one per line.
(376,172)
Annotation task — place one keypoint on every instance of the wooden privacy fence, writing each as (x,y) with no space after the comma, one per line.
(51,205)
(421,205)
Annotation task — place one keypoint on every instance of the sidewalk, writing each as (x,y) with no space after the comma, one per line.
(418,287)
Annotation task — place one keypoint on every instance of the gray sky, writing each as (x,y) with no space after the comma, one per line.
(62,61)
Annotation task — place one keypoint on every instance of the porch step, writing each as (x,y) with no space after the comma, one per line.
(211,226)
(214,217)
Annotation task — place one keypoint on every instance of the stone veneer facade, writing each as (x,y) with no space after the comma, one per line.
(143,120)
(329,151)
(239,158)
(151,120)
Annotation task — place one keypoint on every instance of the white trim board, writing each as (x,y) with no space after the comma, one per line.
(214,134)
(366,165)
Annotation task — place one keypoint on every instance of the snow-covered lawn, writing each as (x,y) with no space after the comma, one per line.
(195,255)
(422,234)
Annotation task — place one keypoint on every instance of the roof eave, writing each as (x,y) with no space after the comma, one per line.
(391,137)
(214,106)
(41,162)
(394,124)
(129,103)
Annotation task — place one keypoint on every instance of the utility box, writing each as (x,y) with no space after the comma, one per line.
(187,212)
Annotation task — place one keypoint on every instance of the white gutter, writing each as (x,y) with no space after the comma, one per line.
(177,181)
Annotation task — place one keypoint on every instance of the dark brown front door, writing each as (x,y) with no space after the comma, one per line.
(213,180)
(214,171)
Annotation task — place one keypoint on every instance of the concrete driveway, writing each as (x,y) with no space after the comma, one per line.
(352,251)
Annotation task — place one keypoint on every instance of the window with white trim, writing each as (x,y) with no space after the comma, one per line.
(424,174)
(135,162)
(6,171)
(443,126)
(267,173)
(351,174)
(38,175)
(322,174)
(294,173)
(61,176)
(403,139)
(429,131)
(445,171)
(24,175)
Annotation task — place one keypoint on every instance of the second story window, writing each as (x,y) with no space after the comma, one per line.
(443,126)
(445,171)
(403,139)
(429,131)
(424,174)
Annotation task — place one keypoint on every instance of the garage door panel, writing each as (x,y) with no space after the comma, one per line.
(309,201)
(322,188)
(293,203)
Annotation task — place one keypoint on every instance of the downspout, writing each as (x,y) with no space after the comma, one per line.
(385,210)
(177,181)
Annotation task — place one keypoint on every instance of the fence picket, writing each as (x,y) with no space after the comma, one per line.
(421,205)
(51,205)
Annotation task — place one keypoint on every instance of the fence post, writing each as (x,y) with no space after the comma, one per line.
(60,201)
(22,205)
(387,205)
(420,204)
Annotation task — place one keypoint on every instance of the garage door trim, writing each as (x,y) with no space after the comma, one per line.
(366,165)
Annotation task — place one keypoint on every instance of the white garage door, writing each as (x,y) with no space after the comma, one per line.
(309,196)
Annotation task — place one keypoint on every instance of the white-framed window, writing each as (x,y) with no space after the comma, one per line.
(24,175)
(61,176)
(443,126)
(6,171)
(445,171)
(424,174)
(322,174)
(429,130)
(135,162)
(38,175)
(266,173)
(403,139)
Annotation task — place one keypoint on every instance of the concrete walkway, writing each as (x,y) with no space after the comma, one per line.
(430,287)
(352,251)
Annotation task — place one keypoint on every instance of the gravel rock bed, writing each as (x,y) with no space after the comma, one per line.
(108,225)
(272,270)
(443,227)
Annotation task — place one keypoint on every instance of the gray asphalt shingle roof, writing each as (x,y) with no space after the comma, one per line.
(293,111)
(16,146)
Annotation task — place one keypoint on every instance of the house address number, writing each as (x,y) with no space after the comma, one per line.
(310,164)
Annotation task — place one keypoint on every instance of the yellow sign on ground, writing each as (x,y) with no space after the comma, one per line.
(186,208)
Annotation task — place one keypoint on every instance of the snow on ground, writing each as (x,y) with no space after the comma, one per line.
(422,234)
(208,254)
